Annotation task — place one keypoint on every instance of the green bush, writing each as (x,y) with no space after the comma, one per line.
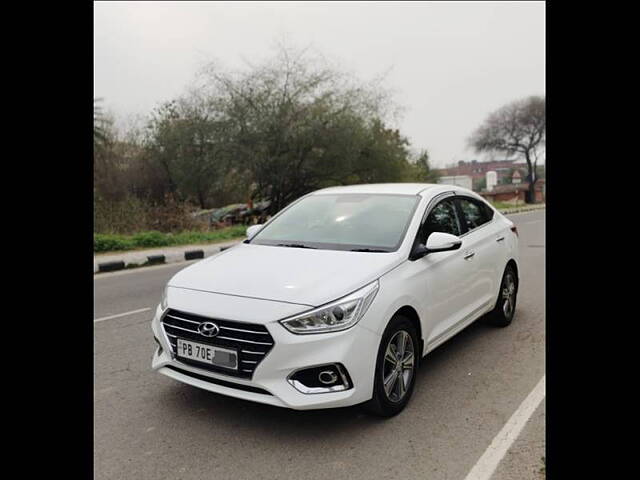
(106,243)
(131,215)
(153,239)
(150,239)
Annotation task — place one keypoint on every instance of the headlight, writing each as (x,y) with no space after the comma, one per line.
(163,300)
(336,316)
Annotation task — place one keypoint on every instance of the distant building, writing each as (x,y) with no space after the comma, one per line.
(477,170)
(516,177)
(464,181)
(492,180)
(514,192)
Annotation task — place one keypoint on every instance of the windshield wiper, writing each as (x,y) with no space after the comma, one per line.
(369,250)
(293,245)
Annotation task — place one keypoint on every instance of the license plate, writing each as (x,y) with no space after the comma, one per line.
(220,357)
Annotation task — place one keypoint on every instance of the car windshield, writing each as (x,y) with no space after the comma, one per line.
(357,222)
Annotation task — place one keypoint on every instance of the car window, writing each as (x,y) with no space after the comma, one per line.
(442,218)
(474,213)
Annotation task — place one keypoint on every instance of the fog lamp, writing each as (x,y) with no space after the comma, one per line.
(321,379)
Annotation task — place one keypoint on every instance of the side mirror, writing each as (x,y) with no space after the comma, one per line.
(442,242)
(253,229)
(437,242)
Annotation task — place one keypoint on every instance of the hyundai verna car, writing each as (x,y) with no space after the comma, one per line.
(337,299)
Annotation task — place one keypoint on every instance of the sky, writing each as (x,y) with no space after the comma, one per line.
(448,64)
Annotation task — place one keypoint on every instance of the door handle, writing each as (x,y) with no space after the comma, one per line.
(499,239)
(469,255)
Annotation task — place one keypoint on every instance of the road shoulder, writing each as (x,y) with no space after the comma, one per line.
(138,258)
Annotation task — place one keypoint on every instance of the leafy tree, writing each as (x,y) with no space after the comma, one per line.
(517,128)
(273,131)
(189,140)
(422,171)
(296,125)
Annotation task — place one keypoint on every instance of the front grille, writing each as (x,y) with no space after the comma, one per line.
(252,341)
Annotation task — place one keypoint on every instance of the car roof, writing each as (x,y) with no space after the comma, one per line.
(423,189)
(389,188)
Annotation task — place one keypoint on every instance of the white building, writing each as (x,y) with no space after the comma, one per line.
(492,179)
(464,181)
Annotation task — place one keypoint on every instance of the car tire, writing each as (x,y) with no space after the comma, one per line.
(505,309)
(392,400)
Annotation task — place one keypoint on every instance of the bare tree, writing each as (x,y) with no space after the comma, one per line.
(517,128)
(100,137)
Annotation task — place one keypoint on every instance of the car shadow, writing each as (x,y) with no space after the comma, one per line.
(446,352)
(222,410)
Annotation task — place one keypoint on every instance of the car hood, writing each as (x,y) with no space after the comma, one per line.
(294,275)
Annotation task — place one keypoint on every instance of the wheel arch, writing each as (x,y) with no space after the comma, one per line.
(409,312)
(512,262)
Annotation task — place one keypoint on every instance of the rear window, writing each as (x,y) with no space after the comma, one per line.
(475,213)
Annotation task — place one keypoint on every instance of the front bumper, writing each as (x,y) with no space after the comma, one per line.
(355,348)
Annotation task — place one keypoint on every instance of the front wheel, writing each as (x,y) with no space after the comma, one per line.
(395,368)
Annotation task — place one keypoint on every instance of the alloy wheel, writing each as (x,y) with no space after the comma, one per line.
(398,368)
(508,295)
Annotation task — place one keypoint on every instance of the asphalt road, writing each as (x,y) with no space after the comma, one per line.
(149,426)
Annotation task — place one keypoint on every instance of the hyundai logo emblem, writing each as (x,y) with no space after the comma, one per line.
(208,329)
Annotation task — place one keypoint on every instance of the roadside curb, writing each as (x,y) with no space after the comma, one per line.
(127,260)
(507,211)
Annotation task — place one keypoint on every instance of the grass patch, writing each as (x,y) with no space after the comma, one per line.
(507,205)
(152,239)
(511,206)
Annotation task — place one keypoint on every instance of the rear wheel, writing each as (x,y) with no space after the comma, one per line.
(502,314)
(395,368)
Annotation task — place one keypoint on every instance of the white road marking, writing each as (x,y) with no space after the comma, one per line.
(490,459)
(110,317)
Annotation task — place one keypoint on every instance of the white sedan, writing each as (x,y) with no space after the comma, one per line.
(338,298)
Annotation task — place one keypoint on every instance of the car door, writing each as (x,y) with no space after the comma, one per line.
(483,246)
(444,277)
